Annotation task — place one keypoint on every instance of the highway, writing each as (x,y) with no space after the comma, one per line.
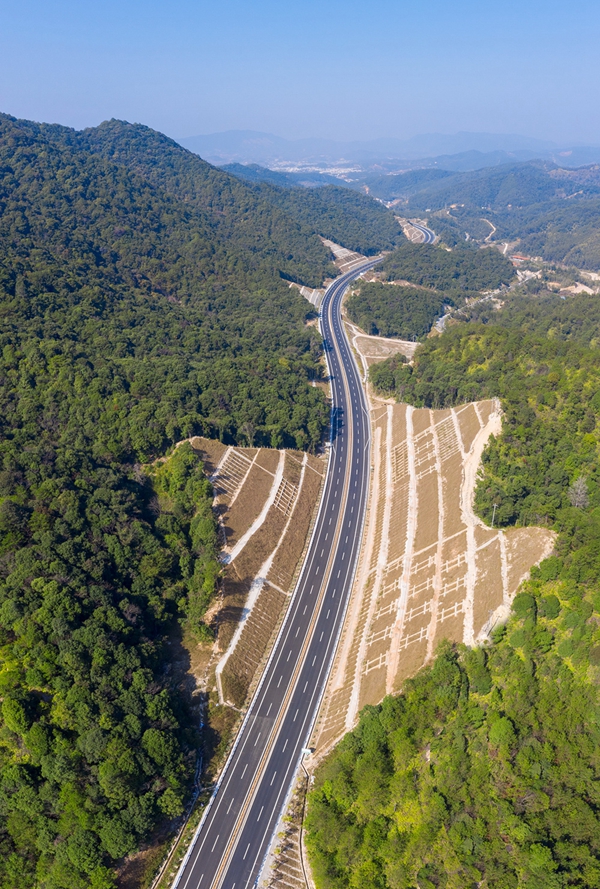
(428,234)
(233,838)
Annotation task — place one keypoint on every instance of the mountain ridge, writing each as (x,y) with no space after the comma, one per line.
(459,151)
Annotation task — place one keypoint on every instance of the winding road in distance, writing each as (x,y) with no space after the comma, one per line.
(233,838)
(428,234)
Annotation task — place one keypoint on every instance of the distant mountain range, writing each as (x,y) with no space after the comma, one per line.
(459,151)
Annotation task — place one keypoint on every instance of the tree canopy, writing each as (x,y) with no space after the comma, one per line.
(454,272)
(483,772)
(390,310)
(444,278)
(143,300)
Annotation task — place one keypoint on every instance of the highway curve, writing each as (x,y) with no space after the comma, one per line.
(233,838)
(428,234)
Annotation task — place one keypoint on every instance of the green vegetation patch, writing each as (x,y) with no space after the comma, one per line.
(550,394)
(495,187)
(537,311)
(99,565)
(456,271)
(483,772)
(130,319)
(354,220)
(392,310)
(558,231)
(444,278)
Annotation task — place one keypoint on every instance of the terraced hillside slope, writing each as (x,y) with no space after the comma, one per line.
(265,500)
(430,569)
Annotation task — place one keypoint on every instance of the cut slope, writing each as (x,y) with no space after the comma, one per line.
(430,568)
(272,495)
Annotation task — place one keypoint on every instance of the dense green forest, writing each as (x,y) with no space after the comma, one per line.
(556,230)
(391,310)
(483,772)
(254,236)
(548,314)
(96,744)
(260,217)
(143,300)
(115,291)
(339,214)
(172,203)
(445,278)
(454,272)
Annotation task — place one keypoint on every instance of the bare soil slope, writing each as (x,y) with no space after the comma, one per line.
(430,569)
(265,500)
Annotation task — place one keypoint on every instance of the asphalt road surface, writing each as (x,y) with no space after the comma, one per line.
(428,234)
(233,838)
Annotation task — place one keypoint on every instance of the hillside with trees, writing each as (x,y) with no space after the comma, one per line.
(483,771)
(459,271)
(538,311)
(444,278)
(339,214)
(390,310)
(515,185)
(552,212)
(144,299)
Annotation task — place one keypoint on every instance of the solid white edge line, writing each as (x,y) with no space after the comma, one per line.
(249,711)
(352,576)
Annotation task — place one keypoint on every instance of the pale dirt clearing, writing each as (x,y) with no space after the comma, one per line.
(371,349)
(245,509)
(260,579)
(211,452)
(344,259)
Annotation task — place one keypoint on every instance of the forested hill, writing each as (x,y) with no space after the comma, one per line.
(142,301)
(339,214)
(260,216)
(552,212)
(245,221)
(145,298)
(229,229)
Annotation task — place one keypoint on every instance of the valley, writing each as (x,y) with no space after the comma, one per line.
(260,508)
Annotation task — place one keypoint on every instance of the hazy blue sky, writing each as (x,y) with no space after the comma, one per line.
(307,67)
